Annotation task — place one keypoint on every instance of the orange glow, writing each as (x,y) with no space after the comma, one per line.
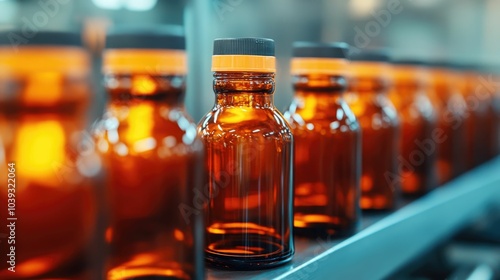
(109,234)
(160,62)
(143,84)
(330,66)
(43,88)
(243,63)
(40,147)
(179,236)
(140,122)
(34,267)
(28,60)
(366,183)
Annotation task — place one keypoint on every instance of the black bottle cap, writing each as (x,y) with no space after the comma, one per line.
(244,46)
(18,38)
(320,50)
(371,55)
(156,37)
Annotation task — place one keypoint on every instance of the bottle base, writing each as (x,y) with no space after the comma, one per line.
(252,253)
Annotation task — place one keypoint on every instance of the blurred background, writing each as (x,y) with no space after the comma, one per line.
(463,31)
(459,30)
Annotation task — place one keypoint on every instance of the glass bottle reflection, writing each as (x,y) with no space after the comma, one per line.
(327,143)
(43,131)
(451,110)
(249,155)
(418,123)
(153,159)
(368,99)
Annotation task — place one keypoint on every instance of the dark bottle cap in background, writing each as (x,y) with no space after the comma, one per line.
(408,61)
(320,50)
(244,46)
(370,55)
(18,38)
(156,37)
(439,64)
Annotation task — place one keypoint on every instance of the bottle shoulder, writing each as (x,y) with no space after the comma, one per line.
(337,116)
(374,111)
(244,123)
(139,129)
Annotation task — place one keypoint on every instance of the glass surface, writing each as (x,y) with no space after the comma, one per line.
(55,176)
(380,177)
(154,163)
(249,153)
(327,157)
(452,117)
(418,147)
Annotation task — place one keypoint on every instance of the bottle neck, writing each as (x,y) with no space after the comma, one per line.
(409,87)
(244,89)
(165,89)
(368,85)
(321,84)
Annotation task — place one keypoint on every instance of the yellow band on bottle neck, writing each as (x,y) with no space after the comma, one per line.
(243,63)
(409,73)
(326,66)
(145,61)
(71,61)
(370,70)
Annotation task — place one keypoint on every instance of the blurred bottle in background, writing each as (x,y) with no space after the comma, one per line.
(478,104)
(153,158)
(418,123)
(249,153)
(487,81)
(327,142)
(368,99)
(452,116)
(44,97)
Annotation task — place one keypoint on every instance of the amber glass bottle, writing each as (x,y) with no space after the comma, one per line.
(368,98)
(249,154)
(478,105)
(482,80)
(49,171)
(495,123)
(418,119)
(452,117)
(327,143)
(153,158)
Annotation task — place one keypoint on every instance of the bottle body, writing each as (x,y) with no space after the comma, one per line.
(55,177)
(380,178)
(327,158)
(451,124)
(249,155)
(477,102)
(154,164)
(418,148)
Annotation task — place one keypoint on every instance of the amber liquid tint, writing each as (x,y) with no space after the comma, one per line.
(42,128)
(418,120)
(249,154)
(483,88)
(327,157)
(380,178)
(154,160)
(451,124)
(478,104)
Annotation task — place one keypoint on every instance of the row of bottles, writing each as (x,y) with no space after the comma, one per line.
(146,192)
